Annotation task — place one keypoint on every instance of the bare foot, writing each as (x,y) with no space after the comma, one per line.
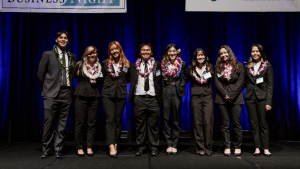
(116,148)
(89,151)
(80,152)
(112,150)
(169,150)
(267,152)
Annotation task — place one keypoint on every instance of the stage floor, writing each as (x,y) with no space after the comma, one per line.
(26,155)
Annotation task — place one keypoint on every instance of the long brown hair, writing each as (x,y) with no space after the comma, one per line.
(232,61)
(123,58)
(87,51)
(192,67)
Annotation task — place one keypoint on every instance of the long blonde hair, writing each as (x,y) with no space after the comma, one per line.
(123,58)
(87,51)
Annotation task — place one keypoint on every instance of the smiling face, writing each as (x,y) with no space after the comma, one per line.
(172,54)
(224,55)
(255,54)
(146,52)
(114,52)
(92,57)
(200,57)
(62,41)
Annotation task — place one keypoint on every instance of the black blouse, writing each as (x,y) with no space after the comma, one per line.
(84,86)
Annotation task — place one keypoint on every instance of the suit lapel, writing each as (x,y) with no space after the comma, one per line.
(154,70)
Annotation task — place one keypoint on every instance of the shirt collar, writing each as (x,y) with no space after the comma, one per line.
(59,51)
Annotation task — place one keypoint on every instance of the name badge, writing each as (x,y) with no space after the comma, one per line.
(101,75)
(259,80)
(125,69)
(158,73)
(219,75)
(207,75)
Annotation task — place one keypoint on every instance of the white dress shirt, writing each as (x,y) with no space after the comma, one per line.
(199,71)
(60,54)
(116,67)
(256,66)
(140,89)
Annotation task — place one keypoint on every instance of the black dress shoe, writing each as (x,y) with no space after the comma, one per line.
(268,155)
(208,154)
(256,154)
(237,154)
(90,155)
(57,154)
(228,155)
(81,155)
(138,152)
(154,153)
(201,154)
(44,155)
(168,153)
(113,155)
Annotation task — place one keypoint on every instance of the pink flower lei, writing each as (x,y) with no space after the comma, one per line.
(150,68)
(88,71)
(227,71)
(177,65)
(200,80)
(117,72)
(262,68)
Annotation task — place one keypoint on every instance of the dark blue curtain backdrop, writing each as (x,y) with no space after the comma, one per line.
(24,37)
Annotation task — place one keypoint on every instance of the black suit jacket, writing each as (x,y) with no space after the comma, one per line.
(134,80)
(198,88)
(232,88)
(180,82)
(84,87)
(262,90)
(49,73)
(115,87)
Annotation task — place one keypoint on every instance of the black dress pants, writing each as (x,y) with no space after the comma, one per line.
(146,108)
(56,109)
(258,121)
(85,106)
(235,110)
(203,107)
(171,102)
(114,109)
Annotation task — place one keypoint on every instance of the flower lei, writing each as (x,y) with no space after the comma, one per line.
(150,68)
(177,70)
(262,68)
(117,72)
(201,80)
(87,70)
(60,59)
(227,71)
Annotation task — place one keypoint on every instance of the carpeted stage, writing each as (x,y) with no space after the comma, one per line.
(26,155)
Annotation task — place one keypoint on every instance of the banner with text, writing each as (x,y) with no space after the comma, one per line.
(243,5)
(64,6)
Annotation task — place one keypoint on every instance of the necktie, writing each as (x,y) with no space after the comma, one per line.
(64,72)
(146,77)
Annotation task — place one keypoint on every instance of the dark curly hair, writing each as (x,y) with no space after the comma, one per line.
(206,62)
(232,61)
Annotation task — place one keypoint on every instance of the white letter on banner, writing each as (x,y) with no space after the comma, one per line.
(92,2)
(99,2)
(103,1)
(110,1)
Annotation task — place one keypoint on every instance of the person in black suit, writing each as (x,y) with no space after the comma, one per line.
(173,89)
(229,79)
(145,95)
(116,72)
(89,74)
(56,78)
(201,74)
(259,80)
